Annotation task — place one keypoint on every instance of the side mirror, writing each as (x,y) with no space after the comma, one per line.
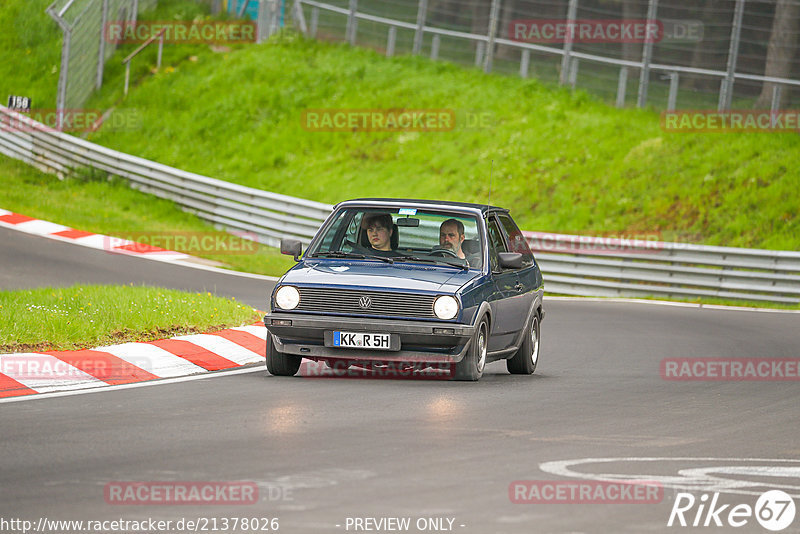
(510,260)
(292,247)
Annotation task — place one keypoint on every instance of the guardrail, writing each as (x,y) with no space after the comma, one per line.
(269,215)
(597,266)
(573,265)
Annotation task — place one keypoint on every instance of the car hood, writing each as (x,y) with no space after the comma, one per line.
(379,276)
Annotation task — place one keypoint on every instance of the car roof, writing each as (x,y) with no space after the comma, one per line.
(483,208)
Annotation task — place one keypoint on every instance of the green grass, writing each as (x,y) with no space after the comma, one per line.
(34,42)
(112,208)
(563,161)
(83,316)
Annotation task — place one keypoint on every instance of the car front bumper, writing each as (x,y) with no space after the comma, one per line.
(306,337)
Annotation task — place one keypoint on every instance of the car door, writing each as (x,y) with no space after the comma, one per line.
(528,277)
(505,292)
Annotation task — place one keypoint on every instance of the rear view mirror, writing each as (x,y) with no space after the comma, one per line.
(292,247)
(408,222)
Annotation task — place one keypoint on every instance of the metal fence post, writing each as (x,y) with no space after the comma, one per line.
(573,72)
(572,10)
(245,4)
(101,55)
(776,98)
(774,107)
(647,54)
(622,86)
(160,50)
(435,47)
(488,55)
(276,16)
(726,87)
(312,30)
(299,17)
(524,62)
(127,77)
(263,24)
(479,50)
(422,13)
(63,74)
(673,91)
(350,33)
(390,40)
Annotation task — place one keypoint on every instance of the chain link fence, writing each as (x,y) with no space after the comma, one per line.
(710,54)
(85,49)
(724,54)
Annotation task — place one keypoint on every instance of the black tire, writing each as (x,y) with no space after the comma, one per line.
(280,364)
(470,368)
(525,360)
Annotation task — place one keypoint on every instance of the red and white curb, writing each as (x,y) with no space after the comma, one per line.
(29,225)
(30,373)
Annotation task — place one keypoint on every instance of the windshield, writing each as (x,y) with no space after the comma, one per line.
(403,234)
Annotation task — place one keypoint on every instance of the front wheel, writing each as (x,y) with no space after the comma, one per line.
(280,364)
(471,366)
(525,360)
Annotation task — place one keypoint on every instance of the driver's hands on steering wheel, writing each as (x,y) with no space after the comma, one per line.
(438,250)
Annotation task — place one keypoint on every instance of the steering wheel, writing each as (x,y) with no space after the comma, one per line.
(443,252)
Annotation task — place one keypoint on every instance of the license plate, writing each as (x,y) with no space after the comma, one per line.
(362,340)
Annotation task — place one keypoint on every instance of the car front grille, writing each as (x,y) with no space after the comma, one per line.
(381,302)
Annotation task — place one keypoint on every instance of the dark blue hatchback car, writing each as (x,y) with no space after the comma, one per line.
(409,284)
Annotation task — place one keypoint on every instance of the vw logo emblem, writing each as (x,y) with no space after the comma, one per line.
(364,302)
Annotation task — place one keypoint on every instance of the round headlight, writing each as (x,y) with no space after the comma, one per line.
(445,307)
(287,298)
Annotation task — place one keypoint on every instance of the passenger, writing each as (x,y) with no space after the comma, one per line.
(379,229)
(451,235)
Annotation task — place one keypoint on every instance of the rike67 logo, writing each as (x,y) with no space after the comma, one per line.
(774,510)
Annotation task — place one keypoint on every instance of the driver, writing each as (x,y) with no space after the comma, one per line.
(451,235)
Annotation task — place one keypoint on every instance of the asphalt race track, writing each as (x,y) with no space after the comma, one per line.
(323,450)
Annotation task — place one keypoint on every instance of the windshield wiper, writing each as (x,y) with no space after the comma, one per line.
(463,266)
(340,254)
(337,254)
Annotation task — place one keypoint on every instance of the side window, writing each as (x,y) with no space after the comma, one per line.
(516,241)
(496,243)
(335,232)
